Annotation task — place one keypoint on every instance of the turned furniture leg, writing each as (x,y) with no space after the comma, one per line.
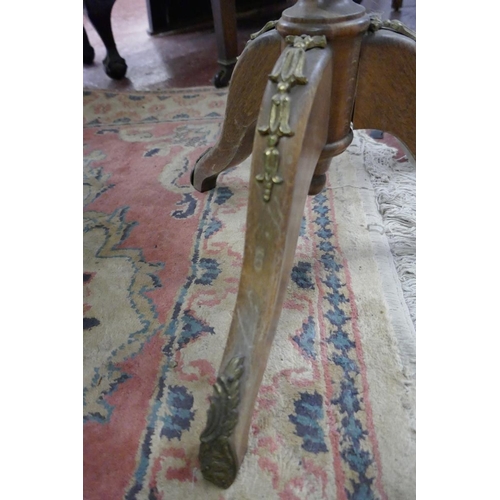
(224,15)
(99,12)
(243,101)
(291,134)
(386,90)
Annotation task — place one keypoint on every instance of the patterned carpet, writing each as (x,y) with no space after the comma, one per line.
(335,413)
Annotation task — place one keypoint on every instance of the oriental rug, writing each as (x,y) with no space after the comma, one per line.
(335,415)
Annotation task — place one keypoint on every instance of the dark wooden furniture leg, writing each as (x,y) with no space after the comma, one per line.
(224,14)
(305,119)
(99,12)
(157,16)
(88,50)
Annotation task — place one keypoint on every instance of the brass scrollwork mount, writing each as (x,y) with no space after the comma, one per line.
(287,74)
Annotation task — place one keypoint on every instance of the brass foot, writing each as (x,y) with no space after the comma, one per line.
(217,457)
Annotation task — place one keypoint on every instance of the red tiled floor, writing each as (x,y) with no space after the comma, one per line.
(180,59)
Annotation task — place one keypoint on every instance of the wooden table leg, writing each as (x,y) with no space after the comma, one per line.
(292,131)
(157,16)
(224,14)
(243,102)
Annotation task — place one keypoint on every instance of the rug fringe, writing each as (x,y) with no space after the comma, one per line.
(395,187)
(389,200)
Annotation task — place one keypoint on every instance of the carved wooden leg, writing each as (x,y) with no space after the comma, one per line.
(99,12)
(243,102)
(292,131)
(386,91)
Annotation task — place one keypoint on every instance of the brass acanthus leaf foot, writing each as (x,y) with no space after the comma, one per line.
(217,458)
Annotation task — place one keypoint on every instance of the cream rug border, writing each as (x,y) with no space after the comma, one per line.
(392,338)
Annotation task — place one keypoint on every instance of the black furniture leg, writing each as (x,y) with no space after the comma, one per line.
(99,12)
(224,14)
(88,50)
(157,16)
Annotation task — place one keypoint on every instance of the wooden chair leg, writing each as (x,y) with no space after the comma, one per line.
(386,91)
(292,131)
(243,102)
